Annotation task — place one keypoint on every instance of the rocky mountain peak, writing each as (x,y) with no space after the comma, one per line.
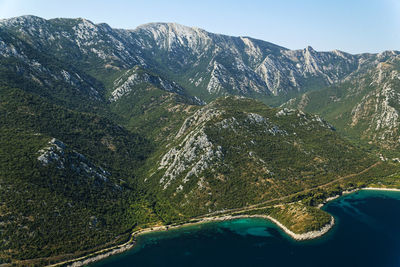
(22,20)
(208,65)
(173,35)
(309,49)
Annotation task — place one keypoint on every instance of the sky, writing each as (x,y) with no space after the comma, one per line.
(354,26)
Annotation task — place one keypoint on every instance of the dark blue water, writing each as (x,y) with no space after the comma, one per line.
(367,233)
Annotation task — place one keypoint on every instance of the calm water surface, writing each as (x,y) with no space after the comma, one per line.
(367,233)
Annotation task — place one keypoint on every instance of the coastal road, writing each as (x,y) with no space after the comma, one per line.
(262,204)
(210,216)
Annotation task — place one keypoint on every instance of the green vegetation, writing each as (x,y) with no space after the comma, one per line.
(300,218)
(79,171)
(37,200)
(259,161)
(364,109)
(148,106)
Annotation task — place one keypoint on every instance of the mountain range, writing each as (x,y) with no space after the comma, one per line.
(105,130)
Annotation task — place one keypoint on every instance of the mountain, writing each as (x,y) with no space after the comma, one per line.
(206,65)
(220,64)
(365,105)
(66,178)
(105,131)
(237,152)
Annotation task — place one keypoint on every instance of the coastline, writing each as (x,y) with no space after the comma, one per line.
(347,192)
(299,237)
(355,190)
(381,189)
(307,235)
(105,253)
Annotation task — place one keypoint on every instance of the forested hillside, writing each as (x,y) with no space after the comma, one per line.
(105,131)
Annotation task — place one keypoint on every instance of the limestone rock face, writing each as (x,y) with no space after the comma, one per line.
(200,63)
(365,105)
(59,155)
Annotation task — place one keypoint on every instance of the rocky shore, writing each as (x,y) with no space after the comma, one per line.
(93,259)
(382,189)
(337,196)
(99,255)
(299,237)
(308,235)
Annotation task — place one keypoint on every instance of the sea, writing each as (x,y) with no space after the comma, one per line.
(366,233)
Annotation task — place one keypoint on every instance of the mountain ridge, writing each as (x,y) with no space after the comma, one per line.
(258,69)
(364,107)
(29,18)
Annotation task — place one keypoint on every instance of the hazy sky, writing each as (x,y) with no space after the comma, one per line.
(350,25)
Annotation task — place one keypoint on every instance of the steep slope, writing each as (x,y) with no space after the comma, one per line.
(204,64)
(135,77)
(92,47)
(239,65)
(67,178)
(236,152)
(28,68)
(213,64)
(365,106)
(149,104)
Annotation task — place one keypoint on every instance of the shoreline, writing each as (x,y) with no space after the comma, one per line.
(107,252)
(298,237)
(347,192)
(308,235)
(381,189)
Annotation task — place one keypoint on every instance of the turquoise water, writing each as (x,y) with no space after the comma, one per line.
(367,233)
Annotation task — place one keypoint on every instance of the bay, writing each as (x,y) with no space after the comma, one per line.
(366,233)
